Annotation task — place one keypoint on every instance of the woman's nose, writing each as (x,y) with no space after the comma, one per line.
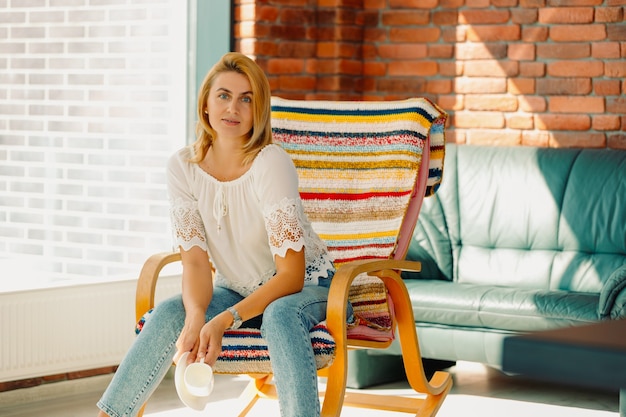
(233,106)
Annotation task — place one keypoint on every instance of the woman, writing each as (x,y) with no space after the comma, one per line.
(235,206)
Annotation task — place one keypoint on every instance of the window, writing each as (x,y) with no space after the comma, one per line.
(93,101)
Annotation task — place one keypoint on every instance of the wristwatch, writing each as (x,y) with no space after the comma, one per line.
(236,318)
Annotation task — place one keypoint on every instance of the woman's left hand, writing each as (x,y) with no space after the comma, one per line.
(211,334)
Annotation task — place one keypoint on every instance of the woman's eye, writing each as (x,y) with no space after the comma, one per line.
(223,96)
(246,99)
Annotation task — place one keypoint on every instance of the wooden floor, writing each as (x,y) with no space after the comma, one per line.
(478,391)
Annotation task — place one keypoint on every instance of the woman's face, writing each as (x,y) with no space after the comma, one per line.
(230,106)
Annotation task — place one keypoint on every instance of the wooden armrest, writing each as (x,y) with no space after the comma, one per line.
(388,271)
(146,284)
(345,275)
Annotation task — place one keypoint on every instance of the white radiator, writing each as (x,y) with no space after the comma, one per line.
(57,330)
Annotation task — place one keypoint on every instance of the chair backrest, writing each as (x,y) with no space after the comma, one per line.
(364,168)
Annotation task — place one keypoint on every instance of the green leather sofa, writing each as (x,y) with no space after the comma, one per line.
(516,239)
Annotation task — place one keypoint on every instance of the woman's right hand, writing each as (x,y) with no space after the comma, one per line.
(189,338)
(197,289)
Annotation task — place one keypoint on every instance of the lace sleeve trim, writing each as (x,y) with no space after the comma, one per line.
(187,226)
(285,228)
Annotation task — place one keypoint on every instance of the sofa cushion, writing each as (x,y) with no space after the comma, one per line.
(594,204)
(525,217)
(505,308)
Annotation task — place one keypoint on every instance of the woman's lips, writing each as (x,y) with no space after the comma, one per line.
(230,122)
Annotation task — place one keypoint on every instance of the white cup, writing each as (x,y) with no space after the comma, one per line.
(199,379)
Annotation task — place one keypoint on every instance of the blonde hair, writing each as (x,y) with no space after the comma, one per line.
(261,132)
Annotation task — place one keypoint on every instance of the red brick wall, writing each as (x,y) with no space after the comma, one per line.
(509,72)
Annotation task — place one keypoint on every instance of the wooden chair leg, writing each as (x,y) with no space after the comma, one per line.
(433,402)
(336,377)
(439,385)
(141,410)
(258,387)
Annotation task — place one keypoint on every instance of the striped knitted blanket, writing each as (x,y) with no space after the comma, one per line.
(245,351)
(359,166)
(358,163)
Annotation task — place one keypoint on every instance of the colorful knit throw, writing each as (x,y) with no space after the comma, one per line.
(358,164)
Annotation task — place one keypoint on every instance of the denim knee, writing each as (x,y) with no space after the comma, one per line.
(168,314)
(306,308)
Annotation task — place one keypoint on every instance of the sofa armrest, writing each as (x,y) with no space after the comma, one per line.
(612,303)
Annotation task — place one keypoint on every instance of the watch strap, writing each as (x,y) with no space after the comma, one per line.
(236,318)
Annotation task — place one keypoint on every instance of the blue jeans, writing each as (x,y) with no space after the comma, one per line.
(285,325)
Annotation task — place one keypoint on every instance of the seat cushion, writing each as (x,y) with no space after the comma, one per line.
(244,350)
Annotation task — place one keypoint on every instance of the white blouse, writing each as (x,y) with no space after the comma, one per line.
(244,223)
